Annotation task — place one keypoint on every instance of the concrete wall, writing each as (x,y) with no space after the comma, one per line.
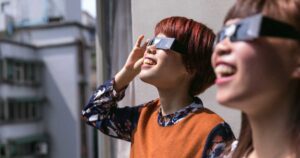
(24,53)
(62,112)
(34,12)
(145,15)
(60,86)
(18,130)
(13,131)
(9,50)
(48,36)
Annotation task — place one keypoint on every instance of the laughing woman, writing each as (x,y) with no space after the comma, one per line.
(177,63)
(257,62)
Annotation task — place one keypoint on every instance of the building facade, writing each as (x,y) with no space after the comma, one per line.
(45,69)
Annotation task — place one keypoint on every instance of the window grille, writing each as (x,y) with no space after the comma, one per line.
(30,146)
(20,110)
(22,72)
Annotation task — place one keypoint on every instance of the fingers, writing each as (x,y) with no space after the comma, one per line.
(145,44)
(138,64)
(139,41)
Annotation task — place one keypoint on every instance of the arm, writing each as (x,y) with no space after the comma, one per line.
(132,66)
(218,140)
(102,112)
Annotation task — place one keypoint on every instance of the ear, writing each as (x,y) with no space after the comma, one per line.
(192,73)
(296,71)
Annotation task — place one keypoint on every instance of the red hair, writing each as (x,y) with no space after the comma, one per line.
(198,41)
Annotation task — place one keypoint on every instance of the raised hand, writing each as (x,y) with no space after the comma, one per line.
(135,58)
(132,66)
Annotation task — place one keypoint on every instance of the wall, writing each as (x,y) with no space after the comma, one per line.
(35,12)
(62,112)
(17,130)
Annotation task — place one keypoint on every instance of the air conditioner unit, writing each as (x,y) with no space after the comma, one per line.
(6,22)
(41,148)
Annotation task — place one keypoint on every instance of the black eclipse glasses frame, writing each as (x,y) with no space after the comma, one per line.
(167,43)
(257,26)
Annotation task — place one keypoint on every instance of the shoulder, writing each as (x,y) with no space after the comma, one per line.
(204,121)
(230,151)
(149,107)
(209,116)
(218,140)
(153,104)
(221,132)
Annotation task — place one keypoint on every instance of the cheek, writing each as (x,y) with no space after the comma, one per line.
(169,60)
(264,69)
(174,65)
(256,59)
(247,60)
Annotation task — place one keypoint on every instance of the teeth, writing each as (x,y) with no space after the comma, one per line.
(149,61)
(224,70)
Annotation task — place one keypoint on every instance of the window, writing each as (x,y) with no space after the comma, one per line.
(2,150)
(1,70)
(32,72)
(10,70)
(36,145)
(2,111)
(11,110)
(22,110)
(21,72)
(29,73)
(18,72)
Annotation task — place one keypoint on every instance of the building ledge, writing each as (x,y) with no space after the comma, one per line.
(55,25)
(65,42)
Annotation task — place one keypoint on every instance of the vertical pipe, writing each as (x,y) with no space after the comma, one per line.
(104,143)
(46,11)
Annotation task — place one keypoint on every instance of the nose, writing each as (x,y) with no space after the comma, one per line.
(151,49)
(223,47)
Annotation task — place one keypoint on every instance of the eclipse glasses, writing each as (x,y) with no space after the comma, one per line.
(257,26)
(167,43)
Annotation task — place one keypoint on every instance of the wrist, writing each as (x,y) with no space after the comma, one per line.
(123,78)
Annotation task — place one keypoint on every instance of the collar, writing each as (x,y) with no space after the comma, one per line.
(177,116)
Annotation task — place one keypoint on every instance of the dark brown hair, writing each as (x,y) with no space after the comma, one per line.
(287,11)
(198,41)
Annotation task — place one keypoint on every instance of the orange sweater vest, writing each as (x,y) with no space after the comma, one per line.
(185,139)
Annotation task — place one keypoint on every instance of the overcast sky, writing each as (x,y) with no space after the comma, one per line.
(89,6)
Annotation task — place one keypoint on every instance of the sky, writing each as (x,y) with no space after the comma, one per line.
(89,6)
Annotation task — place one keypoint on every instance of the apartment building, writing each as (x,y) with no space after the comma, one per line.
(45,69)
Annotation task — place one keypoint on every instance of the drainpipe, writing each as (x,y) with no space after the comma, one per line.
(102,67)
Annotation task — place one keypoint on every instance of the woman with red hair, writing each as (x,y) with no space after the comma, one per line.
(177,62)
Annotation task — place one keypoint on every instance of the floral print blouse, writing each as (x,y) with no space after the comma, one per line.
(102,113)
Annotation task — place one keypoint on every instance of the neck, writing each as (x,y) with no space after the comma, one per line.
(174,98)
(270,134)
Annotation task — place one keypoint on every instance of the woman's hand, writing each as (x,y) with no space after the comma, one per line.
(132,66)
(135,58)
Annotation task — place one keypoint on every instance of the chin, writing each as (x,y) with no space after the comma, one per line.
(147,77)
(228,101)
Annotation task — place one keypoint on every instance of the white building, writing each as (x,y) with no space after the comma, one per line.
(33,12)
(45,69)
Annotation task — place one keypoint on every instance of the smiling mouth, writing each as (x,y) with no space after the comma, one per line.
(224,70)
(149,61)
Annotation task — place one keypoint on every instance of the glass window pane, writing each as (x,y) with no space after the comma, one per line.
(1,69)
(10,70)
(11,113)
(1,110)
